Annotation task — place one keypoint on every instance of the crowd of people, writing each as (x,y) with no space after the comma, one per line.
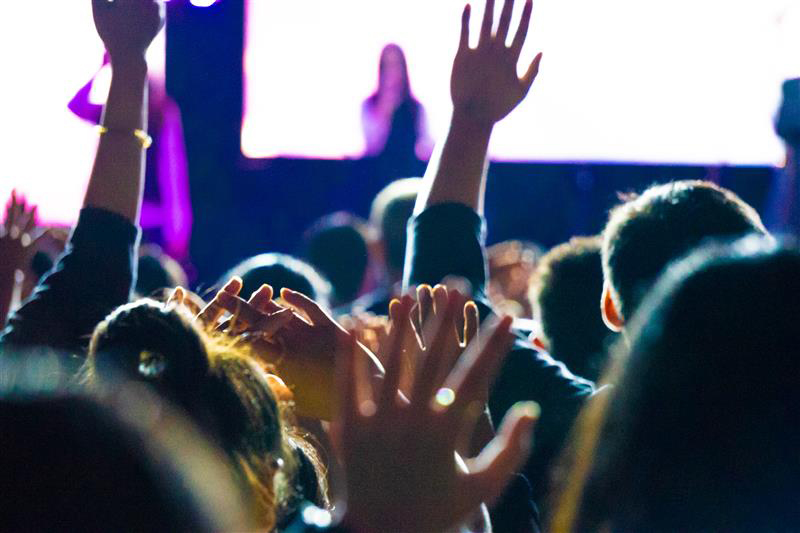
(401,376)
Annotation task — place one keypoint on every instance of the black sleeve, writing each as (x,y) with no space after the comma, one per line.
(449,239)
(446,240)
(92,277)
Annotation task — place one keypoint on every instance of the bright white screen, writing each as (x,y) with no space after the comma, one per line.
(48,50)
(621,80)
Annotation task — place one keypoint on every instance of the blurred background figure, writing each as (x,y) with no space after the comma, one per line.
(389,214)
(566,293)
(280,271)
(158,271)
(166,212)
(394,121)
(337,246)
(782,212)
(511,267)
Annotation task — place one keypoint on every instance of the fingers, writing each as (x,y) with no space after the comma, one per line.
(30,221)
(305,304)
(212,312)
(486,25)
(505,22)
(177,297)
(394,361)
(504,455)
(471,322)
(533,70)
(522,30)
(346,383)
(477,367)
(261,298)
(437,353)
(464,42)
(440,299)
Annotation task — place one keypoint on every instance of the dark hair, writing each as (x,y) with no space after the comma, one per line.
(336,245)
(702,432)
(390,212)
(157,272)
(280,270)
(69,461)
(216,382)
(567,288)
(647,232)
(392,48)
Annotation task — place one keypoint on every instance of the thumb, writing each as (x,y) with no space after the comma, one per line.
(504,455)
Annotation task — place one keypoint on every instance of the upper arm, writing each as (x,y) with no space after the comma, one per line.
(93,277)
(446,240)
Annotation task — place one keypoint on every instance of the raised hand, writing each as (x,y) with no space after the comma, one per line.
(300,341)
(18,235)
(398,454)
(127,27)
(484,84)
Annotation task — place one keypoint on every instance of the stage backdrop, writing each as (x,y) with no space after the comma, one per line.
(621,80)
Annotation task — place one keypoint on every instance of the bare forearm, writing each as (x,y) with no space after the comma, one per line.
(457,171)
(118,173)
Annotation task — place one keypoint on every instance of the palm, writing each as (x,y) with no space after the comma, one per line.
(484,81)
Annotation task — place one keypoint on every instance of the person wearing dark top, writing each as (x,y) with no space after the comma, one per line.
(96,272)
(447,236)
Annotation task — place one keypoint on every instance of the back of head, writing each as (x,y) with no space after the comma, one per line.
(223,390)
(279,271)
(390,211)
(337,246)
(646,233)
(566,293)
(702,431)
(126,463)
(157,271)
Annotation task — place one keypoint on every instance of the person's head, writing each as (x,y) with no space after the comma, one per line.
(567,287)
(157,271)
(215,381)
(647,232)
(391,209)
(121,462)
(337,246)
(279,271)
(393,71)
(702,431)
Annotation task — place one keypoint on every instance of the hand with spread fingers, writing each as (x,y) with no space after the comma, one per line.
(484,82)
(19,234)
(431,304)
(19,239)
(300,341)
(398,454)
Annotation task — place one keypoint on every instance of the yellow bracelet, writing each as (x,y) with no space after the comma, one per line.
(141,135)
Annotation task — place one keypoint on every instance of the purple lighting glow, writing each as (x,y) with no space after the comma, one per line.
(616,84)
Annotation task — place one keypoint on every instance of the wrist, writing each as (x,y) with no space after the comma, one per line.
(129,63)
(464,120)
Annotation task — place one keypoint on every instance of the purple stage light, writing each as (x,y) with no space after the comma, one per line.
(203,3)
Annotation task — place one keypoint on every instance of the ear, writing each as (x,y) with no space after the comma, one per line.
(612,318)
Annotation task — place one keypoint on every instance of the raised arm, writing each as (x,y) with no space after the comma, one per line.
(484,88)
(96,272)
(127,27)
